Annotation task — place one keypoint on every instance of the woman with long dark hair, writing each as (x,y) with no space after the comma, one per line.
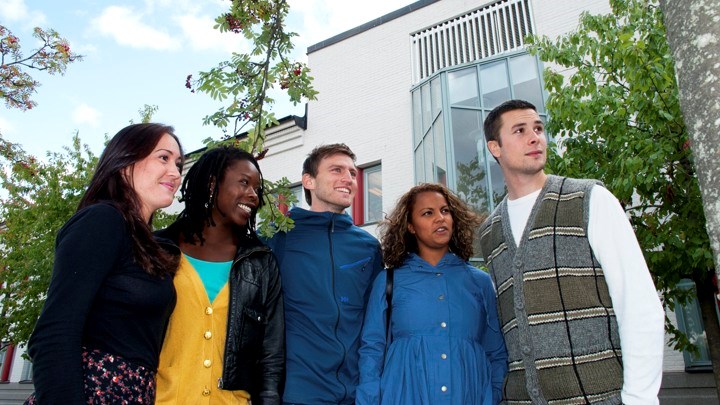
(431,335)
(224,343)
(99,334)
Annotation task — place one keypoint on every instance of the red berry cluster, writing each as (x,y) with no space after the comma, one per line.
(233,23)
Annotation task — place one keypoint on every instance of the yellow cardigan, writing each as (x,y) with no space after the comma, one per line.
(192,354)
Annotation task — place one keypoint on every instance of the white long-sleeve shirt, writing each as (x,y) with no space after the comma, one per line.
(638,310)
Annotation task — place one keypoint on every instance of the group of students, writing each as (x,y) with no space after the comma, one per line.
(205,311)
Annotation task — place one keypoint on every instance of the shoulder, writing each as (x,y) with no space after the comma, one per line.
(103,215)
(364,235)
(570,184)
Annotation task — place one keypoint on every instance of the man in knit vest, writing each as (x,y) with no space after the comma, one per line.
(580,314)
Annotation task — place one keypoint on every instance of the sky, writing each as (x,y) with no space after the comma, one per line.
(139,52)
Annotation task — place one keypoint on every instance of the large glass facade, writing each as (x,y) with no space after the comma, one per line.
(448,114)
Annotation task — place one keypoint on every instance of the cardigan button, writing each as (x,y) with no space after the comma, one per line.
(207,363)
(208,311)
(443,388)
(206,392)
(207,335)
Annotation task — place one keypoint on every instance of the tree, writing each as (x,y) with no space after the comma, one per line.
(245,80)
(694,38)
(618,119)
(16,85)
(40,197)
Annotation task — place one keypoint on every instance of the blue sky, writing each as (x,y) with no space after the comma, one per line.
(139,52)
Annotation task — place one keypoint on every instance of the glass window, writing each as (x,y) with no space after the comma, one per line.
(690,321)
(429,147)
(436,92)
(27,373)
(462,88)
(440,151)
(426,107)
(299,193)
(471,174)
(494,84)
(419,164)
(417,119)
(373,194)
(526,80)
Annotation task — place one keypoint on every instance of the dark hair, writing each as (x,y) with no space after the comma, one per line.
(201,186)
(397,241)
(110,183)
(493,121)
(311,164)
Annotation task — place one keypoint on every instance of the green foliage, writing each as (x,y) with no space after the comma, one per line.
(618,119)
(16,85)
(37,198)
(243,83)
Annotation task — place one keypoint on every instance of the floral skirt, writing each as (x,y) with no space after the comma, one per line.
(109,379)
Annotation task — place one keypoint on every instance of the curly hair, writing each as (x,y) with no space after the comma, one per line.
(201,187)
(397,241)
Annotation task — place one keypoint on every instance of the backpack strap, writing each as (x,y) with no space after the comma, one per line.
(388,297)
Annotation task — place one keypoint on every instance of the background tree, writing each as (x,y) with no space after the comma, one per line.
(36,201)
(618,118)
(16,84)
(694,37)
(245,80)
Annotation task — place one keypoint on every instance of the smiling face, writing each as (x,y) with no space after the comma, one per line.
(237,198)
(334,186)
(156,178)
(432,224)
(521,145)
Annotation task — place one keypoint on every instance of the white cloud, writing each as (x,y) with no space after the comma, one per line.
(201,35)
(13,10)
(84,114)
(17,10)
(323,19)
(125,26)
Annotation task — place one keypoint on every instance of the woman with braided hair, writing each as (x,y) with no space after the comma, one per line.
(224,343)
(444,344)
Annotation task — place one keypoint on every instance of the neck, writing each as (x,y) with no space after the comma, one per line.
(432,256)
(520,185)
(221,243)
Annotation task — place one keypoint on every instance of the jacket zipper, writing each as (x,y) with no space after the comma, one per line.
(243,256)
(331,230)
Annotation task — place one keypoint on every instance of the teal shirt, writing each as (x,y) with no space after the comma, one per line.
(214,275)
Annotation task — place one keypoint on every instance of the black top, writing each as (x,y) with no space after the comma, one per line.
(98,298)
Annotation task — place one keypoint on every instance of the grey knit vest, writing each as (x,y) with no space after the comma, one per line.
(554,306)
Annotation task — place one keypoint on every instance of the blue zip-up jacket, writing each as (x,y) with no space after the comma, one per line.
(327,265)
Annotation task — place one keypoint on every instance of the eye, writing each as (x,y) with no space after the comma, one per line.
(353,174)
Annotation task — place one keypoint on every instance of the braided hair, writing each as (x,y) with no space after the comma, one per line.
(201,186)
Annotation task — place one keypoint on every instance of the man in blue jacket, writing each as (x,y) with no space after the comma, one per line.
(327,265)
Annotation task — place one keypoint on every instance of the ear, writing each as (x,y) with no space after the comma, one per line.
(494,148)
(308,181)
(411,229)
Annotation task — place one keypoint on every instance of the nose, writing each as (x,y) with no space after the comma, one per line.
(252,193)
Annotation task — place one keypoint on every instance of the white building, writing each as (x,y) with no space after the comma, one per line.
(408,93)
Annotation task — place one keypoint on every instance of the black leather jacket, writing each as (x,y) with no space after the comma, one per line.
(254,358)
